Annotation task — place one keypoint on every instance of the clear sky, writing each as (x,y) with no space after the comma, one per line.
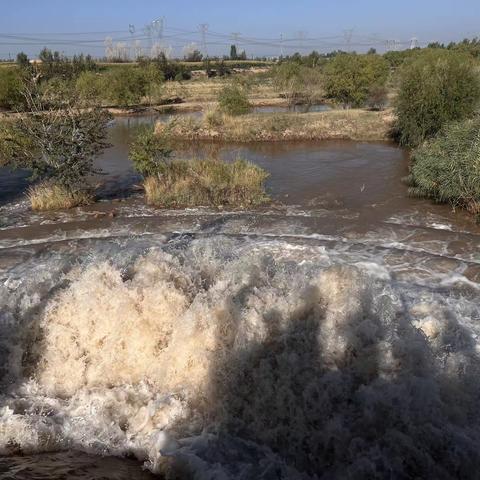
(304,24)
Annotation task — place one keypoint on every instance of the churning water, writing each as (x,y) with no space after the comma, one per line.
(333,336)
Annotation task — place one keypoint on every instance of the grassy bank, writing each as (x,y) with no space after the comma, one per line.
(335,124)
(195,183)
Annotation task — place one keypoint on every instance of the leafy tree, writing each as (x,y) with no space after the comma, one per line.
(437,87)
(22,60)
(349,78)
(57,139)
(233,100)
(447,168)
(233,52)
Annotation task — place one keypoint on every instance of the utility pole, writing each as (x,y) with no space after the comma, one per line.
(203,32)
(347,34)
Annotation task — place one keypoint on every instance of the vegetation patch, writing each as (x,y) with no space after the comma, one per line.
(334,124)
(447,168)
(437,86)
(233,100)
(51,196)
(192,183)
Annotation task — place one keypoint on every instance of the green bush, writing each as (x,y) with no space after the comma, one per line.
(10,88)
(91,86)
(126,86)
(349,78)
(447,168)
(233,100)
(437,87)
(149,151)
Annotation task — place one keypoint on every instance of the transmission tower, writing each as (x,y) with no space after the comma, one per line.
(203,31)
(281,44)
(390,45)
(301,37)
(414,43)
(347,35)
(235,36)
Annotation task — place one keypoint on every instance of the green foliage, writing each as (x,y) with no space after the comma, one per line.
(91,86)
(233,100)
(349,78)
(397,58)
(447,167)
(55,64)
(22,60)
(149,152)
(10,88)
(233,52)
(437,87)
(57,139)
(191,183)
(126,86)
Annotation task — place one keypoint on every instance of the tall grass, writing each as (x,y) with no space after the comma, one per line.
(47,196)
(183,183)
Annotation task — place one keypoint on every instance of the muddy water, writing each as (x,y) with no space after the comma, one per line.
(331,334)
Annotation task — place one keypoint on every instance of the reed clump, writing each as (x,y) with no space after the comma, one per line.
(48,196)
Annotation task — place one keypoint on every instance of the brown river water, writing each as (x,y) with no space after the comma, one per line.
(331,334)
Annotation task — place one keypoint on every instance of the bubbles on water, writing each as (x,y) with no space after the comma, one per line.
(239,358)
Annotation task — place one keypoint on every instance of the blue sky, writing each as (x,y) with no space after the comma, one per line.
(324,23)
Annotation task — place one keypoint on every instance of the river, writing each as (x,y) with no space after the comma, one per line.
(333,332)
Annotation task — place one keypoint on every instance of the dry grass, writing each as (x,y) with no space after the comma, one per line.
(45,196)
(215,183)
(334,124)
(207,89)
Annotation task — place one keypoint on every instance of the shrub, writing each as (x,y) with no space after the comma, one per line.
(126,86)
(184,183)
(437,87)
(149,151)
(349,78)
(91,86)
(10,88)
(447,168)
(213,118)
(377,98)
(57,139)
(51,196)
(233,100)
(298,83)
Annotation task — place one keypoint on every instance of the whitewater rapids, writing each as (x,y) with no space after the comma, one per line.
(242,358)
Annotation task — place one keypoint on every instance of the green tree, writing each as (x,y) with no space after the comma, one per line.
(57,139)
(22,60)
(437,87)
(349,78)
(233,52)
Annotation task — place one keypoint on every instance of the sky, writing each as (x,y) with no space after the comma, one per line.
(324,25)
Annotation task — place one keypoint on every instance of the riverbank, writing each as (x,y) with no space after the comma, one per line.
(361,125)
